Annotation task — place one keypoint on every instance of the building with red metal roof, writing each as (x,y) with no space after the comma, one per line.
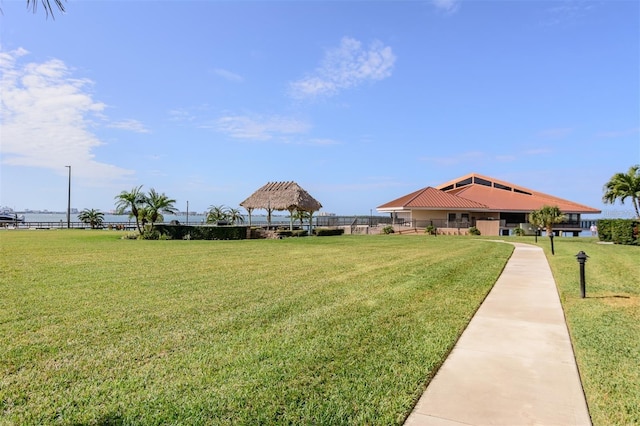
(494,206)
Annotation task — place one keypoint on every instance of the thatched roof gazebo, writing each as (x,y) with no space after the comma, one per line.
(281,196)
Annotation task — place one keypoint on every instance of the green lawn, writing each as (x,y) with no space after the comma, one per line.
(317,330)
(605,326)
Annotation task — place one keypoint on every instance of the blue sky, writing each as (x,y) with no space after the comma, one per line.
(358,102)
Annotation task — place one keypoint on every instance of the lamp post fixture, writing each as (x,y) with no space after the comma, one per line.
(582,258)
(69,200)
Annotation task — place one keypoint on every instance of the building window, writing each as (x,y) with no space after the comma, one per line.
(480,181)
(501,186)
(464,182)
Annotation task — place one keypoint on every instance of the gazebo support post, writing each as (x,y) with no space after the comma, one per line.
(291,219)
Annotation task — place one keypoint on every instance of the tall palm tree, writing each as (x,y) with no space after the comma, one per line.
(91,216)
(546,217)
(622,186)
(48,8)
(132,200)
(156,204)
(142,217)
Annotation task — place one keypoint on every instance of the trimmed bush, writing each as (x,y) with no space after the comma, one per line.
(388,229)
(619,231)
(184,232)
(291,233)
(519,232)
(148,234)
(326,232)
(474,231)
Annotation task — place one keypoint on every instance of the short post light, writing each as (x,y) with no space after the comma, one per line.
(582,259)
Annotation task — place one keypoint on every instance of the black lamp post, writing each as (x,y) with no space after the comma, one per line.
(69,200)
(582,259)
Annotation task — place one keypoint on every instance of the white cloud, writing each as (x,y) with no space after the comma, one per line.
(132,125)
(447,6)
(618,133)
(557,133)
(46,114)
(567,12)
(228,75)
(181,115)
(537,151)
(260,128)
(346,66)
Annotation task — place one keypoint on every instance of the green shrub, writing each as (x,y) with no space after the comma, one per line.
(619,231)
(291,233)
(326,232)
(474,231)
(181,232)
(149,234)
(388,230)
(431,230)
(519,232)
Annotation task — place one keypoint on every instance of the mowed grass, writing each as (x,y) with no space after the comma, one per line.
(317,330)
(604,326)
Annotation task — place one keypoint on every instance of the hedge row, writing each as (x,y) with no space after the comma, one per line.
(292,233)
(183,232)
(326,232)
(619,231)
(198,232)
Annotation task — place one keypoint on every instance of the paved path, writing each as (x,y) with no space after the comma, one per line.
(514,364)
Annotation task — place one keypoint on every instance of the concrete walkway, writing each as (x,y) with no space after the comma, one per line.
(514,364)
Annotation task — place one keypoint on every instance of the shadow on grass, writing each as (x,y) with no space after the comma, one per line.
(608,297)
(112,419)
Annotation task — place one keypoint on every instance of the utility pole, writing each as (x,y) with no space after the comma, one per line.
(69,200)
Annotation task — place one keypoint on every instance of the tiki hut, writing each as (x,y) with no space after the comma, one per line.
(281,196)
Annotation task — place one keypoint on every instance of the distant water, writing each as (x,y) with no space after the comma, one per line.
(182,218)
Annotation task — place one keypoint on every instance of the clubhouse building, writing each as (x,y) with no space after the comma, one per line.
(493,206)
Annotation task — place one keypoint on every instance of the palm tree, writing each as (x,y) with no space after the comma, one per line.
(48,8)
(142,217)
(234,216)
(217,214)
(156,204)
(622,186)
(91,216)
(546,217)
(301,215)
(133,201)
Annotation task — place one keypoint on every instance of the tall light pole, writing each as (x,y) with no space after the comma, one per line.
(69,200)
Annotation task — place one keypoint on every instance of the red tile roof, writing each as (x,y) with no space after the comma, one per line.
(475,192)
